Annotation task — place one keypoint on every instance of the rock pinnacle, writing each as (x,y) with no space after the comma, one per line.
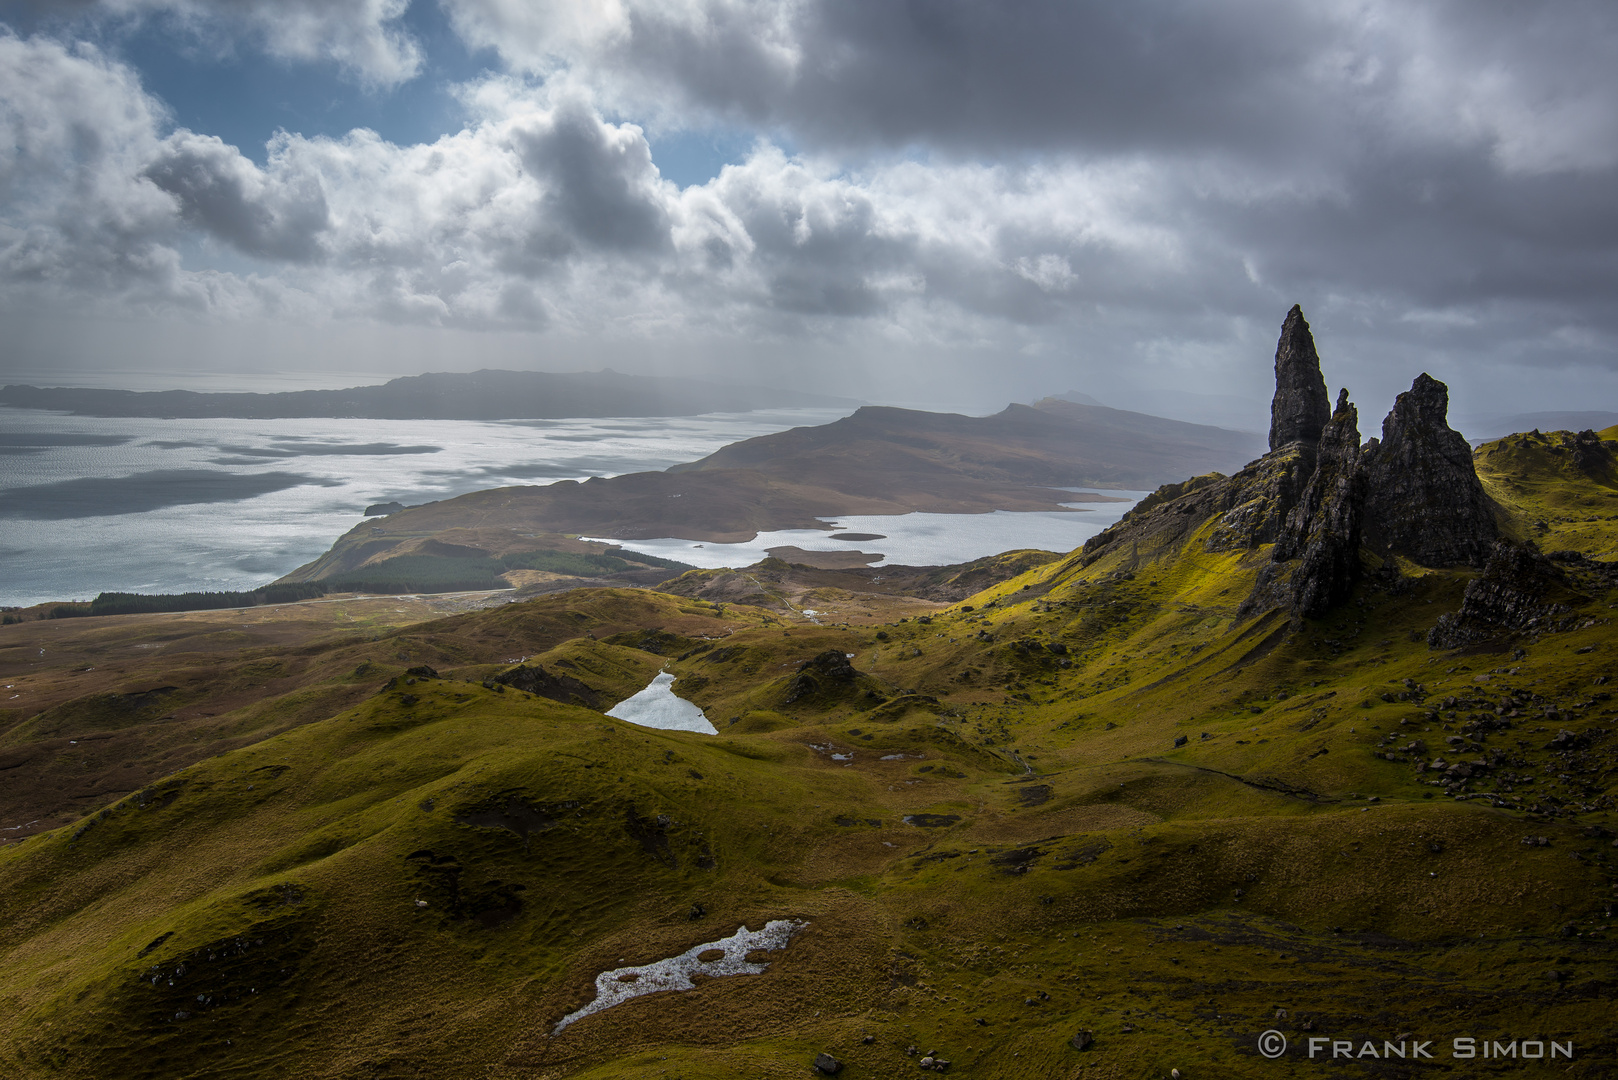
(1300,408)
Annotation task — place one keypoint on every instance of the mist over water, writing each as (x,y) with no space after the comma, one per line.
(140,505)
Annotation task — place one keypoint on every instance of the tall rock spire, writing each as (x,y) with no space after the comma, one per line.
(1301,407)
(1316,559)
(1328,518)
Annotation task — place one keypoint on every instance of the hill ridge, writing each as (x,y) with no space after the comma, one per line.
(486,394)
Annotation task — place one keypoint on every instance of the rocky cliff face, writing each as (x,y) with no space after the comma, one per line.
(1324,528)
(1415,493)
(1316,558)
(1258,499)
(1516,593)
(1301,406)
(1423,497)
(1320,498)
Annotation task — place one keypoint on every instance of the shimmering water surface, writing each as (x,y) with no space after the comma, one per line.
(143,505)
(913,539)
(140,505)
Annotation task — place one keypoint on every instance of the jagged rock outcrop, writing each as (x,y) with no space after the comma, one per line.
(1516,594)
(1423,497)
(1323,530)
(1591,455)
(1170,492)
(1414,493)
(541,683)
(1337,460)
(1320,498)
(828,672)
(1587,453)
(1301,406)
(1163,526)
(1252,505)
(1257,500)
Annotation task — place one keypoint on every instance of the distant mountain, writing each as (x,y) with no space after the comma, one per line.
(477,395)
(1076,397)
(1482,428)
(1052,443)
(877,461)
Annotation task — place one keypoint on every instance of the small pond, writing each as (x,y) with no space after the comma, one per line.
(658,706)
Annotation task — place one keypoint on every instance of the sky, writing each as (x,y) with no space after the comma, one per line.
(946,203)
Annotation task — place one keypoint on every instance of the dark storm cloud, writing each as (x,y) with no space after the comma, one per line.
(1059,193)
(1426,154)
(1437,156)
(1444,230)
(600,180)
(225,194)
(137,494)
(1176,76)
(992,76)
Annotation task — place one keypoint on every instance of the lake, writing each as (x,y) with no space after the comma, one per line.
(145,505)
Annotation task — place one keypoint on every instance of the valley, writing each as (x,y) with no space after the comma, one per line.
(1293,749)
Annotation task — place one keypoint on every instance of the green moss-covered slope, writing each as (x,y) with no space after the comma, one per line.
(1089,798)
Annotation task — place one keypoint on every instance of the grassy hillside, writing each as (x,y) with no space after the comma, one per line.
(1088,798)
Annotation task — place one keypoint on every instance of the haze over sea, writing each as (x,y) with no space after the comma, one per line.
(147,505)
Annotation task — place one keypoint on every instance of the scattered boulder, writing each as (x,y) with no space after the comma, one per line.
(1565,740)
(931,821)
(1081,1040)
(827,1064)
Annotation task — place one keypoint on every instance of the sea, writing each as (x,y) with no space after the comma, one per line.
(89,504)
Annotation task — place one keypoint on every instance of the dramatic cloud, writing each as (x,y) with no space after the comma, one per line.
(227,196)
(1243,77)
(364,37)
(1081,189)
